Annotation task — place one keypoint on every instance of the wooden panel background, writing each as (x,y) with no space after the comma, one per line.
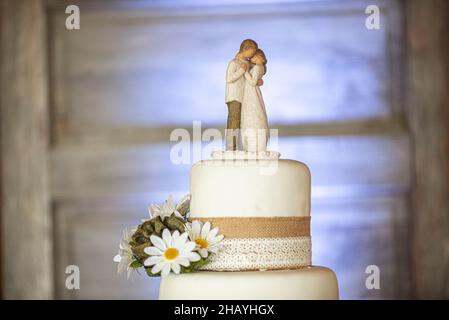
(131,74)
(26,238)
(428,109)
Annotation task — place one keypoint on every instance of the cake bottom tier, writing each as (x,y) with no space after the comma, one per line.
(309,283)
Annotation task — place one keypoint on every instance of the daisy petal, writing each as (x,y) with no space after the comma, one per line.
(203,253)
(154,210)
(196,227)
(158,242)
(166,235)
(183,238)
(212,234)
(174,238)
(187,247)
(165,270)
(213,249)
(158,267)
(183,262)
(193,256)
(176,268)
(152,260)
(205,230)
(217,239)
(153,251)
(177,214)
(170,202)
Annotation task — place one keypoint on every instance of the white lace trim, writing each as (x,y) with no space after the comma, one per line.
(262,253)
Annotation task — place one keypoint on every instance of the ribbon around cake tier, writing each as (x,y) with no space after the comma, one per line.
(260,243)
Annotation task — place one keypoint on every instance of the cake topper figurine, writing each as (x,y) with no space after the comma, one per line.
(247,129)
(246,109)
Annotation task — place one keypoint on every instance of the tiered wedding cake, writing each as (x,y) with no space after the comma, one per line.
(259,203)
(265,219)
(244,230)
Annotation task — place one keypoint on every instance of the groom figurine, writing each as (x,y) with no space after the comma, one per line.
(235,83)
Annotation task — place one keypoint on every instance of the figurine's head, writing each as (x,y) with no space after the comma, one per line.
(259,58)
(248,48)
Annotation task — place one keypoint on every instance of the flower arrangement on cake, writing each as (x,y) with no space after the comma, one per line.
(168,242)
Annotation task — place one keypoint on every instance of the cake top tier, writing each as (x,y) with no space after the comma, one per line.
(250,189)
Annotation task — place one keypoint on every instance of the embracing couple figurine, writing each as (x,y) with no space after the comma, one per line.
(246,108)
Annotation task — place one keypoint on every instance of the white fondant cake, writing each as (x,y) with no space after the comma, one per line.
(310,283)
(272,192)
(224,188)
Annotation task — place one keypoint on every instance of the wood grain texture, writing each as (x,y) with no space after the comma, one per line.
(129,135)
(88,236)
(340,165)
(26,223)
(327,75)
(428,105)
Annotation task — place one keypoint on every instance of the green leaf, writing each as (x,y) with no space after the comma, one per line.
(148,271)
(136,264)
(195,265)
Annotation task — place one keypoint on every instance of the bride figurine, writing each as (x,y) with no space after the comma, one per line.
(254,122)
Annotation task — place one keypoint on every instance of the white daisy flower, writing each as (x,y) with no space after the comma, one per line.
(125,257)
(164,210)
(206,240)
(170,252)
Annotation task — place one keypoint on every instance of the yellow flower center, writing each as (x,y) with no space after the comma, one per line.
(171,253)
(202,243)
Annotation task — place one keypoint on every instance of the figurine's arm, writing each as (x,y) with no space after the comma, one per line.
(232,74)
(252,80)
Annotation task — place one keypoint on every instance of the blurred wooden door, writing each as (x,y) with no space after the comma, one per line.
(134,72)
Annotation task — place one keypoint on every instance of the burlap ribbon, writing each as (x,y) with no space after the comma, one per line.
(260,227)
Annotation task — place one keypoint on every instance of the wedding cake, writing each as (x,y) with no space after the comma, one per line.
(260,204)
(243,232)
(265,220)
